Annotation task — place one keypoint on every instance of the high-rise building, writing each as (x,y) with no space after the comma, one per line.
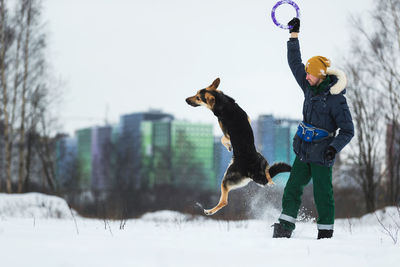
(162,152)
(284,129)
(156,152)
(282,142)
(66,153)
(178,153)
(292,131)
(84,157)
(101,155)
(274,140)
(192,155)
(146,128)
(130,144)
(265,136)
(222,158)
(255,127)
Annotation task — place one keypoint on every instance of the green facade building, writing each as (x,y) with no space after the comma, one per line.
(156,152)
(84,157)
(178,153)
(192,155)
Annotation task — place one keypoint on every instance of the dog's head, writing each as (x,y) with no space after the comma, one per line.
(205,97)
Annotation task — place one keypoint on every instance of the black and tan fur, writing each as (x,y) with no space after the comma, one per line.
(247,164)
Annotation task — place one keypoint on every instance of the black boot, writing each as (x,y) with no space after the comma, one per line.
(280,231)
(325,234)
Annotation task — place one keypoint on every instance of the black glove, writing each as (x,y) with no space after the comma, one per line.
(330,153)
(295,22)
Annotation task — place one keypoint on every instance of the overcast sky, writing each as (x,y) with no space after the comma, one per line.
(124,56)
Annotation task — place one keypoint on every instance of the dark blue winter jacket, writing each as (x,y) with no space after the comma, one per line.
(327,110)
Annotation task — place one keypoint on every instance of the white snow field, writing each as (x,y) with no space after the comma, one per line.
(38,230)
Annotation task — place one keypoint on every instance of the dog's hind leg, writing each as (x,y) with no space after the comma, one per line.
(223,201)
(230,182)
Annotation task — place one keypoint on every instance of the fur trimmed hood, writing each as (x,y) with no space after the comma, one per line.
(341,83)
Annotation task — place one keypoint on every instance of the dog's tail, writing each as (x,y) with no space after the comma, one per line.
(279,167)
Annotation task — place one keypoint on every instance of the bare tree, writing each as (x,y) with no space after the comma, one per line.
(6,39)
(384,44)
(392,185)
(25,96)
(366,152)
(33,86)
(44,149)
(387,52)
(23,91)
(375,98)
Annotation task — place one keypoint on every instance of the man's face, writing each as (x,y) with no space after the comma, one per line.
(312,80)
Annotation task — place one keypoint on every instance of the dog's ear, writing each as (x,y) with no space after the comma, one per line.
(214,85)
(210,100)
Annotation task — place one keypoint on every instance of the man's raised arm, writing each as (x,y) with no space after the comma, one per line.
(294,55)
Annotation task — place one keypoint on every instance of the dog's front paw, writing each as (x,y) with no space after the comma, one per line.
(227,146)
(270,183)
(208,212)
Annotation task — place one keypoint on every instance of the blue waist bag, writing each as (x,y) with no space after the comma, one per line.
(309,133)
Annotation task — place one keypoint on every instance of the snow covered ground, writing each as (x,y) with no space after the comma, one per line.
(37,230)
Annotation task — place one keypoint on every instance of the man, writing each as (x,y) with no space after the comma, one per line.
(315,144)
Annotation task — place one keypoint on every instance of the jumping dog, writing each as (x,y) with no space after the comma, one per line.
(247,164)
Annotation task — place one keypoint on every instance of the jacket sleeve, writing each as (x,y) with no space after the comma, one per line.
(342,117)
(295,63)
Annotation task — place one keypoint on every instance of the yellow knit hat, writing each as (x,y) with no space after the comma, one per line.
(317,66)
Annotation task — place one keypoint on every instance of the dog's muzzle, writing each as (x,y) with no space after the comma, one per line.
(191,103)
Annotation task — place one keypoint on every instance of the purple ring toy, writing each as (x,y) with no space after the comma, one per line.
(285,27)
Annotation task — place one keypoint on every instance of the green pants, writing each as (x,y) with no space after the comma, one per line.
(300,176)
